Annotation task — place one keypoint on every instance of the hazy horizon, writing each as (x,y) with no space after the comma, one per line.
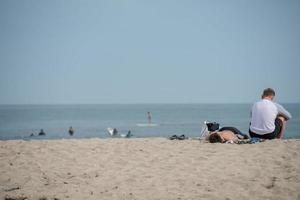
(120,52)
(155,103)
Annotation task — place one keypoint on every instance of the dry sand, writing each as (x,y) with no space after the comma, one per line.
(149,169)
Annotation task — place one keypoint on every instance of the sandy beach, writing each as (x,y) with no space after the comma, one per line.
(154,168)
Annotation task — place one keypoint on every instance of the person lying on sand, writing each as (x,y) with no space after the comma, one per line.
(227,134)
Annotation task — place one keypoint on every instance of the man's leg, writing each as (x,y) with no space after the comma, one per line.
(283,120)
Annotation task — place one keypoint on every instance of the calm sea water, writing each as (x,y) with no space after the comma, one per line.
(19,121)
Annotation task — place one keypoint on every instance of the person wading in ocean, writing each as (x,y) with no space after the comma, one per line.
(71,130)
(149,117)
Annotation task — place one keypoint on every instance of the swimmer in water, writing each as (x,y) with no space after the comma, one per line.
(42,132)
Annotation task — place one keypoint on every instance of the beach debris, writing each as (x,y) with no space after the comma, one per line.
(43,198)
(272,183)
(116,187)
(12,189)
(15,198)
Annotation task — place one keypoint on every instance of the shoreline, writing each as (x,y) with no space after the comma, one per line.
(148,168)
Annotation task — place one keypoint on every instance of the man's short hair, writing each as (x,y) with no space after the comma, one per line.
(268,92)
(214,138)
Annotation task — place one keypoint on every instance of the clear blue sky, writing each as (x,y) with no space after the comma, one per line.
(148,51)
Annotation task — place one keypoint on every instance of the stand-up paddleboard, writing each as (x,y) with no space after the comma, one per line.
(147,125)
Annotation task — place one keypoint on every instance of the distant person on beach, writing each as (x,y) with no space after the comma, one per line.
(227,134)
(71,130)
(268,119)
(149,117)
(42,132)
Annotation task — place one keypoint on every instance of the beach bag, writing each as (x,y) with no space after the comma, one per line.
(212,126)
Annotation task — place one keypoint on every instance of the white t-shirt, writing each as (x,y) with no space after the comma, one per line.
(263,115)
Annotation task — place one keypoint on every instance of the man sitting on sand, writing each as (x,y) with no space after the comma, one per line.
(227,134)
(268,119)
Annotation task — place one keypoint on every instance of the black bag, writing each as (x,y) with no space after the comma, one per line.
(212,126)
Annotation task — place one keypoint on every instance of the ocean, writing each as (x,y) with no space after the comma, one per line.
(90,121)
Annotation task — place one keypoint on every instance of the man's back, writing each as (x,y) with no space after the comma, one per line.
(268,119)
(263,115)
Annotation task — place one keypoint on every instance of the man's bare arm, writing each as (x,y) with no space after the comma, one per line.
(283,112)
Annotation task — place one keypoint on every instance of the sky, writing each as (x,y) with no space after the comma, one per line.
(167,51)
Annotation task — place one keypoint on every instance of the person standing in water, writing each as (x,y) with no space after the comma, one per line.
(71,130)
(149,117)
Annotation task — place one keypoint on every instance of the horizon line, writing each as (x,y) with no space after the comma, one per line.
(126,103)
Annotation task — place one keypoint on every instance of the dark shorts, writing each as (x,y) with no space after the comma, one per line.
(270,136)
